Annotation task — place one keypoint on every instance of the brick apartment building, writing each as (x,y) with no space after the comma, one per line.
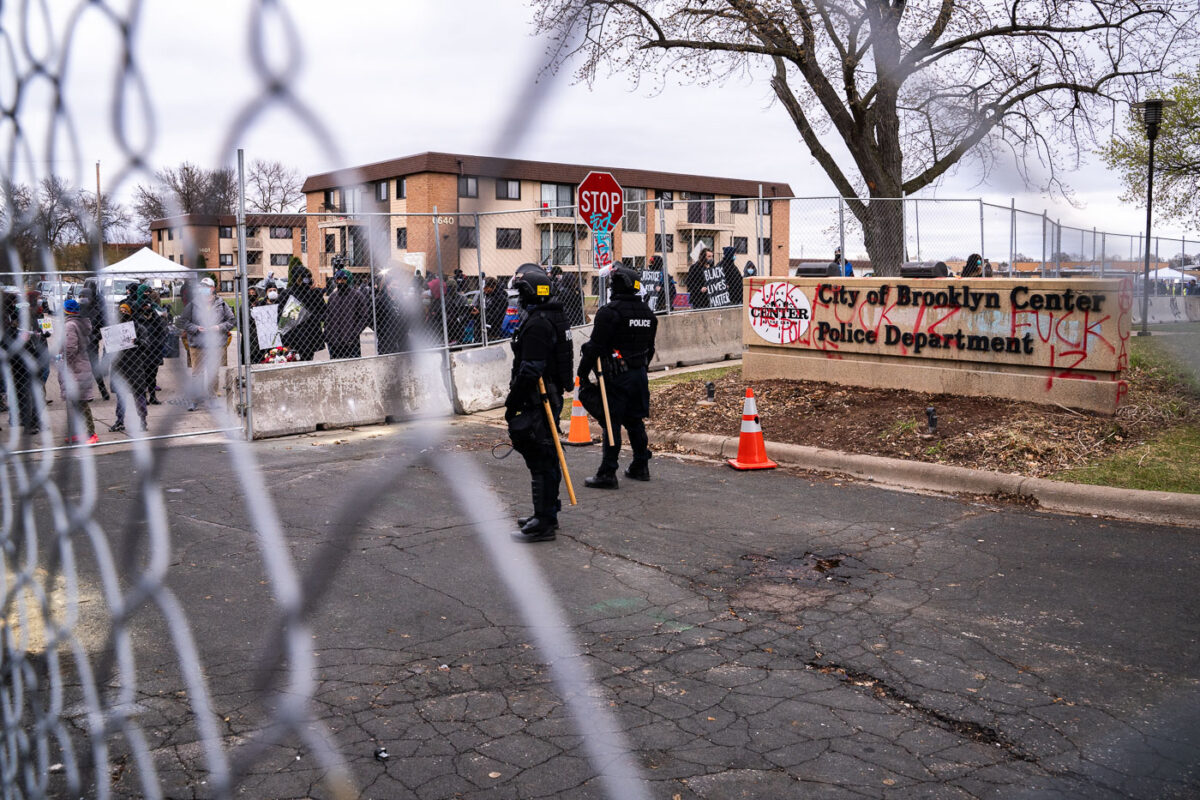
(351,207)
(271,241)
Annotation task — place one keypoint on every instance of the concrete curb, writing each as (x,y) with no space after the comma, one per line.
(1167,508)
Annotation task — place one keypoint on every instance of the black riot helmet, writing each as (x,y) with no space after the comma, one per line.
(532,285)
(624,281)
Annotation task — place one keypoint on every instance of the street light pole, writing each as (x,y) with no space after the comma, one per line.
(1151,109)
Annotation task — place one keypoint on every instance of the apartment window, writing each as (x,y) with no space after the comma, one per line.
(170,234)
(253,257)
(508,190)
(252,230)
(468,186)
(636,263)
(658,243)
(280,259)
(330,242)
(327,200)
(172,258)
(160,235)
(225,232)
(765,245)
(381,192)
(741,245)
(701,208)
(226,259)
(280,232)
(668,199)
(304,240)
(764,207)
(738,205)
(401,188)
(401,238)
(227,287)
(634,219)
(557,249)
(558,200)
(508,238)
(468,236)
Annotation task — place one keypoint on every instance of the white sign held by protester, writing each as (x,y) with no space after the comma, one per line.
(266,323)
(118,337)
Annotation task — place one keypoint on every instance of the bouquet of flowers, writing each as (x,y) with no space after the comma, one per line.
(279,355)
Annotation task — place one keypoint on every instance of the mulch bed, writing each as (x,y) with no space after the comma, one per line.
(976,432)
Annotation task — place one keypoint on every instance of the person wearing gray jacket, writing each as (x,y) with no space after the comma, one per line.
(208,321)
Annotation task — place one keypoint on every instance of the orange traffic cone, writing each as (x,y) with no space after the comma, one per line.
(752,451)
(579,434)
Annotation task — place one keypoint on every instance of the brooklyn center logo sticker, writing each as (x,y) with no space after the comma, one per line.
(779,312)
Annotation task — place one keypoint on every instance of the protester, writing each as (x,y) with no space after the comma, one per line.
(208,321)
(91,308)
(495,304)
(733,277)
(76,377)
(389,316)
(697,285)
(846,266)
(567,289)
(24,352)
(973,268)
(300,321)
(132,364)
(158,327)
(347,314)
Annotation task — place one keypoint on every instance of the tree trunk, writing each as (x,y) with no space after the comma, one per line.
(883,233)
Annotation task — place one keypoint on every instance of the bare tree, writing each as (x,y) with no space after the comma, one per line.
(908,87)
(272,187)
(186,189)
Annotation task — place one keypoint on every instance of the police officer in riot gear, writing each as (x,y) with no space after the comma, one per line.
(540,350)
(623,338)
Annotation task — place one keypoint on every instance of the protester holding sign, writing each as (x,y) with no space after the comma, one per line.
(301,312)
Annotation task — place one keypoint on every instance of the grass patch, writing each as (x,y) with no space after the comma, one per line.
(704,375)
(1169,462)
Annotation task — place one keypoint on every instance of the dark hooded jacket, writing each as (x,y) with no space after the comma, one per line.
(306,337)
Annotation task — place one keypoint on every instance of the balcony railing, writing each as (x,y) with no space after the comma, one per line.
(254,243)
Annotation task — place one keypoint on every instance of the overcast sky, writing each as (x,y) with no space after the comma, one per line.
(388,78)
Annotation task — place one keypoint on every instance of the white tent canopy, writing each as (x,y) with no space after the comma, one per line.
(146,263)
(1168,274)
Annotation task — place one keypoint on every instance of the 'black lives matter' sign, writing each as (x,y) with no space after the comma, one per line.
(718,288)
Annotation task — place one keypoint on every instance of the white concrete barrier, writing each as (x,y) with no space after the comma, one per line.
(698,337)
(1168,309)
(297,398)
(302,397)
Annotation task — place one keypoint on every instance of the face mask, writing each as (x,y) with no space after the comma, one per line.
(272,295)
(205,290)
(341,285)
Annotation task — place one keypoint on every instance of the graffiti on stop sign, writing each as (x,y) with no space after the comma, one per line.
(601,204)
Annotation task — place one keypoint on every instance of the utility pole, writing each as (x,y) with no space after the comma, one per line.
(99,217)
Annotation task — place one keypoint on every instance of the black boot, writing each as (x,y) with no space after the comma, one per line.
(103,389)
(544,522)
(601,481)
(639,471)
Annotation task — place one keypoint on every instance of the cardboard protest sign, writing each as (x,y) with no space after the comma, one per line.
(118,337)
(718,287)
(266,325)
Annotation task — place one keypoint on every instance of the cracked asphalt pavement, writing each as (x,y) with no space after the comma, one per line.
(758,635)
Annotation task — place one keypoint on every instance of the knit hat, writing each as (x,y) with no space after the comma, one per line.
(342,275)
(71,306)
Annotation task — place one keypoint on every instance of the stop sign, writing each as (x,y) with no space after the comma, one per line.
(601,202)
